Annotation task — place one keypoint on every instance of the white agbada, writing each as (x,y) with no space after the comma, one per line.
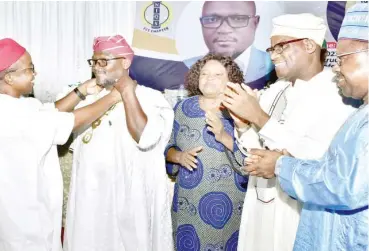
(31,186)
(119,195)
(310,113)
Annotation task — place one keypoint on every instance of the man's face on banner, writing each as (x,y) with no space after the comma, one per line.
(229,27)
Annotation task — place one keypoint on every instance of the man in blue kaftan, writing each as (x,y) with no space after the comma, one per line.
(334,189)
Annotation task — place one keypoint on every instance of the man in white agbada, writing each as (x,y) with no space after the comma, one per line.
(119,195)
(335,188)
(301,113)
(31,187)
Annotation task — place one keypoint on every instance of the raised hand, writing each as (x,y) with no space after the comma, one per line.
(125,83)
(188,158)
(243,103)
(116,95)
(253,93)
(90,87)
(215,125)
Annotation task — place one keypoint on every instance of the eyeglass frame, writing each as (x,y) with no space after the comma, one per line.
(272,49)
(339,63)
(226,18)
(32,68)
(101,59)
(19,70)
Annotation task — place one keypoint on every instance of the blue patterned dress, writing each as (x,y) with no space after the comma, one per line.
(208,201)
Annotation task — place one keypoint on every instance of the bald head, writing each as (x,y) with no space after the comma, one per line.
(229,27)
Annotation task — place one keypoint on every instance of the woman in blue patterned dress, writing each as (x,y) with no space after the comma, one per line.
(202,153)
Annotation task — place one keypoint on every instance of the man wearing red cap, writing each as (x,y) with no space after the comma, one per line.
(31,185)
(119,197)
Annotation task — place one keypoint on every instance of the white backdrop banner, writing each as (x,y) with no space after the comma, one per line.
(168,37)
(59,36)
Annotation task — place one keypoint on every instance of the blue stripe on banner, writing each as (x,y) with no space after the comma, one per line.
(354,25)
(359,11)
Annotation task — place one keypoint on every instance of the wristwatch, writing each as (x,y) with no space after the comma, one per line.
(79,93)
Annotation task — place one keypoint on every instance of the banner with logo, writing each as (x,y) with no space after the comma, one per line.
(169,37)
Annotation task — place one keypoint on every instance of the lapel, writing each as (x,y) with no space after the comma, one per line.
(258,67)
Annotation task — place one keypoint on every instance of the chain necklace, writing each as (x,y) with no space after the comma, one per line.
(88,136)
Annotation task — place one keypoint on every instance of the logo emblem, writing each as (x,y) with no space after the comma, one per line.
(156,15)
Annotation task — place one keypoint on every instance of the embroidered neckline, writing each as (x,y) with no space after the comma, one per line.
(88,135)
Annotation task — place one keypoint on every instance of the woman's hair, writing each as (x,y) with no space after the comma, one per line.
(235,75)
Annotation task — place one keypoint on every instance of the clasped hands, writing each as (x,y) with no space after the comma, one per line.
(261,163)
(122,85)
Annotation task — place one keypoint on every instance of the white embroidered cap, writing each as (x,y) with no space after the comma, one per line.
(303,25)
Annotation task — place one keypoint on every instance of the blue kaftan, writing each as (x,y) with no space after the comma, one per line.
(334,190)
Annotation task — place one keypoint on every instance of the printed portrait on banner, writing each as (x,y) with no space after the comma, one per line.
(169,37)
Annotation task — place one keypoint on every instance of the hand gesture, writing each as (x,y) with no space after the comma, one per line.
(239,123)
(90,87)
(261,163)
(254,93)
(116,95)
(188,158)
(125,83)
(242,101)
(215,125)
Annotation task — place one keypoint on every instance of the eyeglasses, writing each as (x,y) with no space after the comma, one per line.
(339,60)
(234,21)
(32,69)
(101,61)
(278,48)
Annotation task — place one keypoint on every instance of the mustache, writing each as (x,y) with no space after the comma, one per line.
(107,83)
(338,78)
(222,39)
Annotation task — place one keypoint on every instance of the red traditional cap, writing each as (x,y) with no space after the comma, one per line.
(115,45)
(10,52)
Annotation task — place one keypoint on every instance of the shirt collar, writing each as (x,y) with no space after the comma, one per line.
(243,60)
(321,76)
